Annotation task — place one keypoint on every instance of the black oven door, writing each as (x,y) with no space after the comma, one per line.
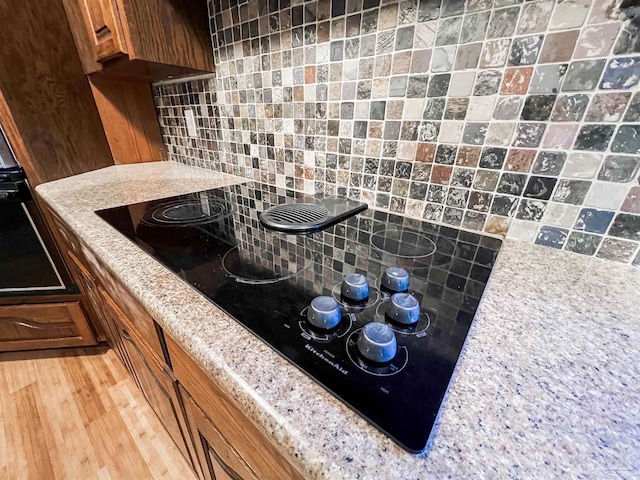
(29,263)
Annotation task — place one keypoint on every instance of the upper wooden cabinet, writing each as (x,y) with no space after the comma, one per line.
(104,28)
(151,39)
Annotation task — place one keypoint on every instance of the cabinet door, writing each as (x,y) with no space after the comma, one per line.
(217,458)
(156,384)
(105,31)
(43,325)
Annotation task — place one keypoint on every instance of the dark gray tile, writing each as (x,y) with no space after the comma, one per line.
(446,154)
(512,183)
(540,187)
(503,22)
(504,205)
(531,210)
(434,109)
(452,216)
(594,137)
(619,168)
(570,108)
(549,163)
(474,133)
(493,157)
(418,190)
(369,22)
(552,237)
(448,31)
(583,75)
(439,85)
(538,107)
(529,134)
(626,226)
(417,86)
(428,10)
(627,139)
(487,82)
(457,197)
(392,131)
(378,109)
(629,39)
(633,110)
(621,73)
(462,177)
(437,193)
(583,243)
(452,7)
(525,50)
(571,191)
(404,38)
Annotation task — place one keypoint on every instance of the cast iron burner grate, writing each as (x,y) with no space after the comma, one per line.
(294,216)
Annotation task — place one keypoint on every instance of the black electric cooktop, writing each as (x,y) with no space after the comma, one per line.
(215,242)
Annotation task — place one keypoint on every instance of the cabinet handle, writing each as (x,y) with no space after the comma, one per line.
(26,323)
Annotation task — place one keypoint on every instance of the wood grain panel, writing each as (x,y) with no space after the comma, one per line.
(76,415)
(81,37)
(129,118)
(45,325)
(171,32)
(46,91)
(253,446)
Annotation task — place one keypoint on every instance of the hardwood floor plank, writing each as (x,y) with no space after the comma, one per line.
(76,414)
(34,444)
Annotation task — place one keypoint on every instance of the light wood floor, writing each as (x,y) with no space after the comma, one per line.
(65,415)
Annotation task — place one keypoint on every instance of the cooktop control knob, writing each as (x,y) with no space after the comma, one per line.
(324,312)
(404,308)
(377,342)
(355,287)
(395,279)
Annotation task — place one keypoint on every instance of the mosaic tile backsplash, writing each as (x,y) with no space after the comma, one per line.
(515,118)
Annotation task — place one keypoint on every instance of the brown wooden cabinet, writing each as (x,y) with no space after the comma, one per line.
(44,325)
(226,442)
(104,30)
(145,38)
(151,374)
(211,431)
(217,458)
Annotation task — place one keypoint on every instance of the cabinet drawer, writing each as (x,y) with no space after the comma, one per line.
(45,325)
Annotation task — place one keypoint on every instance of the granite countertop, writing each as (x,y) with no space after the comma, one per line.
(548,384)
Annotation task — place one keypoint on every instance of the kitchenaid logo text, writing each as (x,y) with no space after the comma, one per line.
(329,361)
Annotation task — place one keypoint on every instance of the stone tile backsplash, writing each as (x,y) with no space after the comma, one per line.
(515,118)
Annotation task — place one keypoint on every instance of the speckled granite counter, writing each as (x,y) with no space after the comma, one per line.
(548,385)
